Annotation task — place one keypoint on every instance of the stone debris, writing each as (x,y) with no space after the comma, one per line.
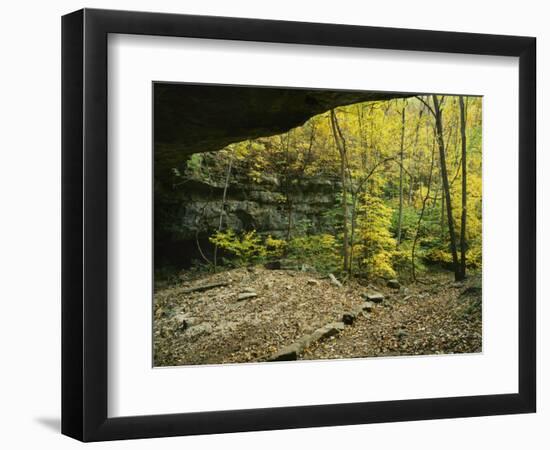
(349,317)
(288,353)
(334,280)
(292,352)
(204,287)
(367,306)
(394,284)
(282,309)
(375,297)
(246,296)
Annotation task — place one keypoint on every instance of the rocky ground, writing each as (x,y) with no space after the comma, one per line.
(256,314)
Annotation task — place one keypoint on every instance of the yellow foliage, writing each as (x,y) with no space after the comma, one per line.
(275,247)
(371,132)
(376,242)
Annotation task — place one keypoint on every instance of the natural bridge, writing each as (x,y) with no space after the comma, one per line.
(191,118)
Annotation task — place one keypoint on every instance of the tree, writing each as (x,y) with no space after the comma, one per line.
(445,181)
(340,142)
(423,209)
(377,243)
(464,190)
(401,148)
(222,208)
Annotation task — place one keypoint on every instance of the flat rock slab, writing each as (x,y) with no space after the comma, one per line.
(288,353)
(205,287)
(367,306)
(334,280)
(375,297)
(332,329)
(292,351)
(246,296)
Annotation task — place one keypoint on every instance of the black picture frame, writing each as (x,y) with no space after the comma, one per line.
(84,224)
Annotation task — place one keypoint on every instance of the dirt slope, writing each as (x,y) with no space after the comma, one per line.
(255,312)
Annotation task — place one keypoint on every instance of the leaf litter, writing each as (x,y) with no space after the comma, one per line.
(227,323)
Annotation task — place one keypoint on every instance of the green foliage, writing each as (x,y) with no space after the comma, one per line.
(401,262)
(248,247)
(303,227)
(194,164)
(319,251)
(334,217)
(274,247)
(409,222)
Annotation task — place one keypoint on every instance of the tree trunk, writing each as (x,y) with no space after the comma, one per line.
(222,210)
(401,146)
(341,146)
(413,162)
(424,201)
(464,190)
(287,183)
(289,222)
(445,180)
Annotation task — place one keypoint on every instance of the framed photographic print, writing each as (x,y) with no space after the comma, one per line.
(273,224)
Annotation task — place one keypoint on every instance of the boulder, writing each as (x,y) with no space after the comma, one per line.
(273,265)
(394,284)
(349,317)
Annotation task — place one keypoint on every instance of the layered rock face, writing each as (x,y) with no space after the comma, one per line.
(261,206)
(193,212)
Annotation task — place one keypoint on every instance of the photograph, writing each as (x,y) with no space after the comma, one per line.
(267,225)
(313,224)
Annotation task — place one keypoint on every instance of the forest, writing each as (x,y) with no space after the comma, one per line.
(358,233)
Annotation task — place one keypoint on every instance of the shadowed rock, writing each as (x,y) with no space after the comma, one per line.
(201,118)
(394,284)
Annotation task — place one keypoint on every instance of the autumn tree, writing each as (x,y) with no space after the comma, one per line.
(406,180)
